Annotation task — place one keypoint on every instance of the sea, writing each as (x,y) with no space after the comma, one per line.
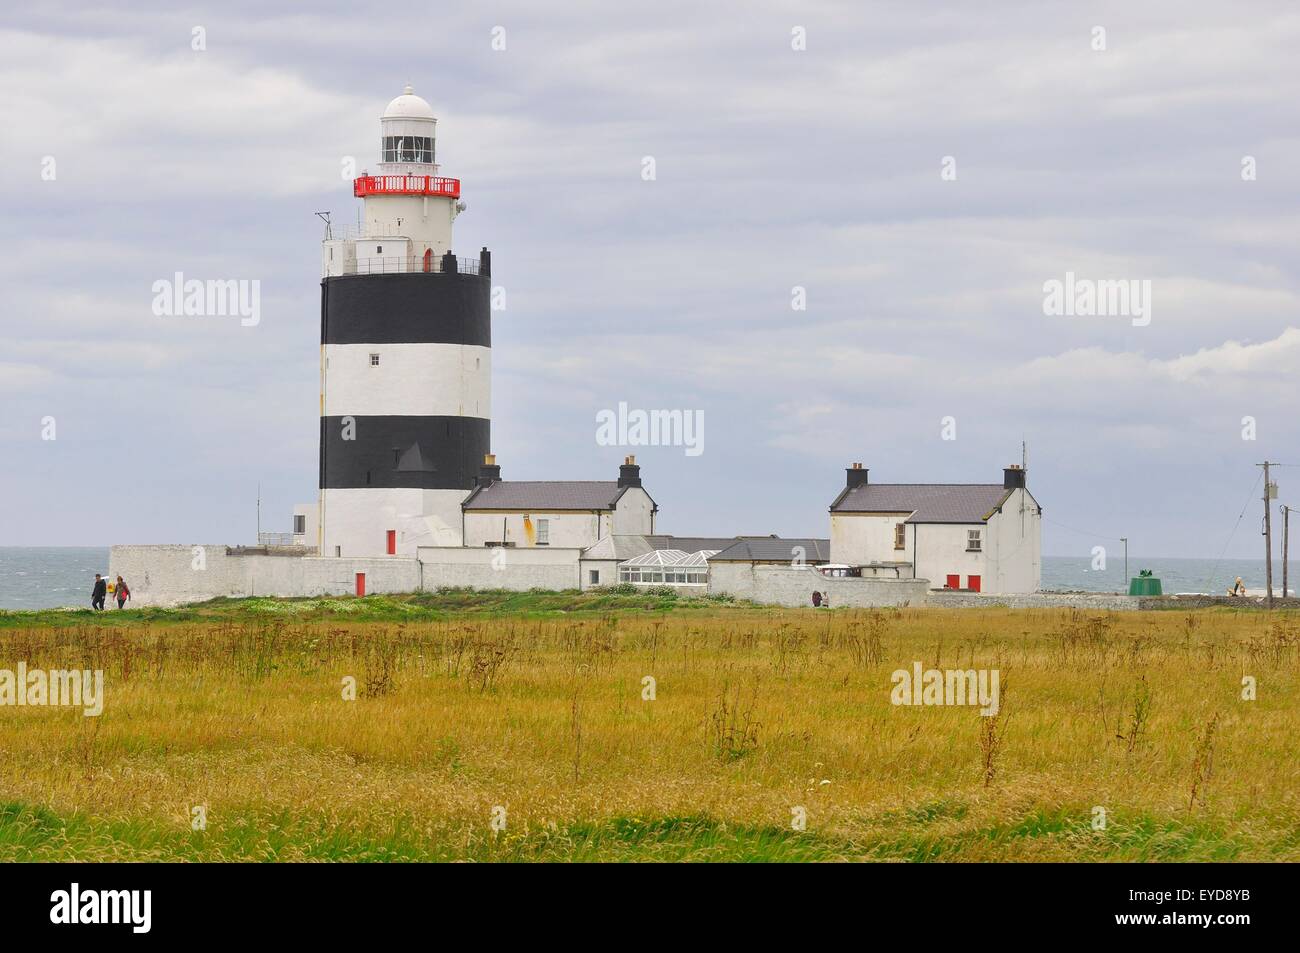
(46,577)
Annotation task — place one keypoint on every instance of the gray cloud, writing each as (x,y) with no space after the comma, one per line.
(775,169)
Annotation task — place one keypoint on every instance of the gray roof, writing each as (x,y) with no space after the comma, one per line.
(620,546)
(773,550)
(545,495)
(690,544)
(926,502)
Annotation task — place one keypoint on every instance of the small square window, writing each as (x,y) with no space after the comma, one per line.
(374,360)
(593,577)
(379,249)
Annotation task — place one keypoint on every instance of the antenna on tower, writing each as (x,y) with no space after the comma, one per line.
(325,217)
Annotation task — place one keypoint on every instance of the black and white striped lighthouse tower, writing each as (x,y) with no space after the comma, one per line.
(405,355)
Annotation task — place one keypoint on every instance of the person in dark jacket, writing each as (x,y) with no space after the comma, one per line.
(98,593)
(121,592)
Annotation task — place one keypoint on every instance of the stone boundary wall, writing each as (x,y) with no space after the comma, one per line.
(171,575)
(785,585)
(519,569)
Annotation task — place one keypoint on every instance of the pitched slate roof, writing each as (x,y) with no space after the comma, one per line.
(690,544)
(545,495)
(926,502)
(774,550)
(619,546)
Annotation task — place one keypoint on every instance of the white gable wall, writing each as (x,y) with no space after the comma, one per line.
(1015,544)
(634,514)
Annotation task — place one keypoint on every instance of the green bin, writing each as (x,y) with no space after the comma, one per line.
(1144,585)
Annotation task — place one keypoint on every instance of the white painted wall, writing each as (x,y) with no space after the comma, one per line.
(310,512)
(496,568)
(338,257)
(425,219)
(357,518)
(634,514)
(1015,545)
(606,568)
(170,575)
(415,380)
(794,586)
(568,528)
(940,550)
(861,538)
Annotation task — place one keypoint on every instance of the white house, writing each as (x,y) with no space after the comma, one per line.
(982,537)
(559,513)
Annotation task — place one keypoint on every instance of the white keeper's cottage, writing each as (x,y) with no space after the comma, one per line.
(980,537)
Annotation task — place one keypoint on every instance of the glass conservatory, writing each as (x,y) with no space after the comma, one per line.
(667,567)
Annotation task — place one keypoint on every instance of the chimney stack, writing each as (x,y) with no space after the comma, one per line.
(489,472)
(856,476)
(1013,477)
(629,474)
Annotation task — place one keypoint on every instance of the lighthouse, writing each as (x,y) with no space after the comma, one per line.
(405,362)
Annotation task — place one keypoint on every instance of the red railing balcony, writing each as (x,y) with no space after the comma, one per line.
(406,185)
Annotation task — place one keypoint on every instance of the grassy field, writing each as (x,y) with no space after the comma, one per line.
(528,713)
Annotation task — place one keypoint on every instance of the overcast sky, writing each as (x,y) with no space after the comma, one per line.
(774,168)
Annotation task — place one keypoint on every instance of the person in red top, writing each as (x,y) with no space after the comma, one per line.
(121,592)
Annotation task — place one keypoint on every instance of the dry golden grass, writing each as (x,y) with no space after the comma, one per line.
(756,712)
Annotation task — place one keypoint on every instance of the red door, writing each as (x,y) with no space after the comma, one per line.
(392,542)
(361,584)
(428,259)
(954,581)
(973,583)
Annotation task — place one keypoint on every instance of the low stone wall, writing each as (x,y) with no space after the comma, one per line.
(492,568)
(170,575)
(1034,600)
(794,585)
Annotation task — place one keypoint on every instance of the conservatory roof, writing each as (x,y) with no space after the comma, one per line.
(675,558)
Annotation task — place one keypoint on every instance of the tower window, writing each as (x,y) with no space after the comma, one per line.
(408,149)
(374,360)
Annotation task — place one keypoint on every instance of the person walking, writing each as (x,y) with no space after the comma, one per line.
(98,593)
(122,593)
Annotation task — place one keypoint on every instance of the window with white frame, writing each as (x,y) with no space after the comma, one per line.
(900,535)
(543,532)
(973,541)
(374,360)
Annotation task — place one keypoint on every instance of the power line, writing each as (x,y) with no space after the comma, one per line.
(1111,539)
(1250,498)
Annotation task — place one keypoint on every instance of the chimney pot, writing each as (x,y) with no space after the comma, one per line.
(488,472)
(629,474)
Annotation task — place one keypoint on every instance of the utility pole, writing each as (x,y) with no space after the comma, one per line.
(1286,544)
(1124,540)
(1269,492)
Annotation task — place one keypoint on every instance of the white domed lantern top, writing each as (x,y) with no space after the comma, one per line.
(409,106)
(408,128)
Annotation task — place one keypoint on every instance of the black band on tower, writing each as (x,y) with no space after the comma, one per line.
(410,308)
(431,453)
